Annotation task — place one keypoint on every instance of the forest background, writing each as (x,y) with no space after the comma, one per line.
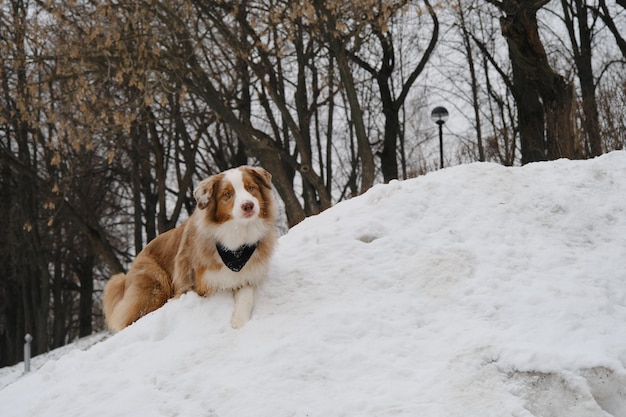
(111,111)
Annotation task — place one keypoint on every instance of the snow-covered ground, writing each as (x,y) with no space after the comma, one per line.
(478,290)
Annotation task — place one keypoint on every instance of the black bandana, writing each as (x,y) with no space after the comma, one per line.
(236,259)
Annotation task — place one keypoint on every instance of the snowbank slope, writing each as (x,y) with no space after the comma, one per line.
(477,291)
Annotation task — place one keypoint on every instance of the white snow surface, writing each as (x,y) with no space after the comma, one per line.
(478,290)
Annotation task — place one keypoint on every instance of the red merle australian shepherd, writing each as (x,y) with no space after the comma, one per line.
(225,245)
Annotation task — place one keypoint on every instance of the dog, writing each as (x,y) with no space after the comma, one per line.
(225,245)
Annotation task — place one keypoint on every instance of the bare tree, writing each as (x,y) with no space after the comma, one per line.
(545,100)
(332,29)
(485,83)
(57,195)
(383,73)
(603,11)
(575,15)
(466,37)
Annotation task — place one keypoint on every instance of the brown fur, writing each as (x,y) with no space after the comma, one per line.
(186,257)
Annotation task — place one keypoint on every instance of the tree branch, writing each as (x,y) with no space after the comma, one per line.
(425,58)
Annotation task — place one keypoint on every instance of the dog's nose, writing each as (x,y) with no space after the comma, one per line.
(247,206)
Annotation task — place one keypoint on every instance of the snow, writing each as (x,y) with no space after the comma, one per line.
(478,290)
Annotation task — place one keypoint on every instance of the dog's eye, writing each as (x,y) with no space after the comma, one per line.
(251,188)
(227,195)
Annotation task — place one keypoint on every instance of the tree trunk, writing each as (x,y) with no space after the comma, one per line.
(535,79)
(388,158)
(364,148)
(467,44)
(135,158)
(58,306)
(530,115)
(85,306)
(584,69)
(311,204)
(559,108)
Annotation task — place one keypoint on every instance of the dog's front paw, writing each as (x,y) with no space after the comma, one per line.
(238,322)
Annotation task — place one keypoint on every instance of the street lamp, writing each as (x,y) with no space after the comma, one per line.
(439,116)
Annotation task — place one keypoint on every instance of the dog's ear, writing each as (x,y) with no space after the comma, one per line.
(205,191)
(264,176)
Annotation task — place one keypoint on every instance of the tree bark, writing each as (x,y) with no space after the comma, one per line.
(530,114)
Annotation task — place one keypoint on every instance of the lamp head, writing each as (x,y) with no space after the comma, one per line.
(439,115)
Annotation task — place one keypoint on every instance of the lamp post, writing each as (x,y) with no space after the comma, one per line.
(439,116)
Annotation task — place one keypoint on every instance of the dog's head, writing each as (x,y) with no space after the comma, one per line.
(242,194)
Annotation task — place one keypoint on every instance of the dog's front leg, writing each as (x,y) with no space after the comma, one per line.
(183,276)
(244,302)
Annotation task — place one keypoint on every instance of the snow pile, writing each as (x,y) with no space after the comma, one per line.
(476,291)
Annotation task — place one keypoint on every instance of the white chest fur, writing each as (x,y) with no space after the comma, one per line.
(225,279)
